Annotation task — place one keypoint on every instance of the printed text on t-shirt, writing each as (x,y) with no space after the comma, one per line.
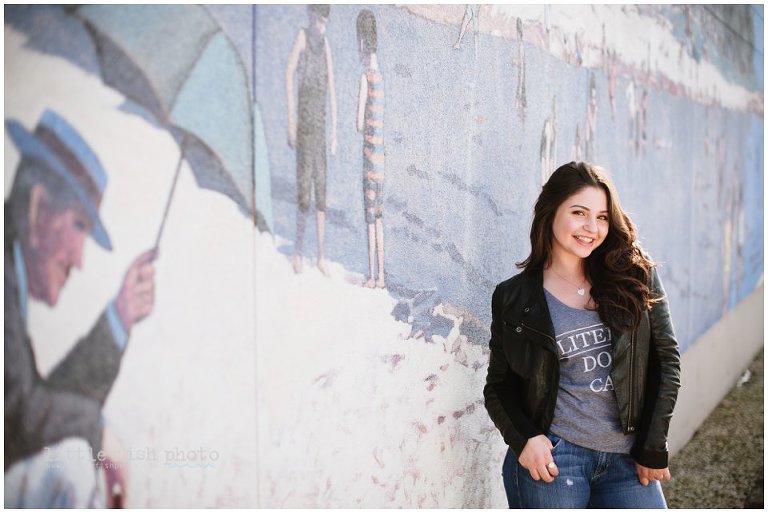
(592,344)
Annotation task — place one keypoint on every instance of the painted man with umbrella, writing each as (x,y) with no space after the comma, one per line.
(54,430)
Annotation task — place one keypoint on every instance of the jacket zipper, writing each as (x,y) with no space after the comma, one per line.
(550,337)
(630,427)
(555,370)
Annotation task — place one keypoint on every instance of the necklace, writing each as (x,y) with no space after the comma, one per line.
(579,288)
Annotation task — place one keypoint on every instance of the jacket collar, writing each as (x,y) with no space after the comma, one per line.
(533,304)
(531,308)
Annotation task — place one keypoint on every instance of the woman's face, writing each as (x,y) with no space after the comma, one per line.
(580,224)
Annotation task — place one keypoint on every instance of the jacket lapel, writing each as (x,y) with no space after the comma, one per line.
(537,314)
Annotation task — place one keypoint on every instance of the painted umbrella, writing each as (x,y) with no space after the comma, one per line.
(177,63)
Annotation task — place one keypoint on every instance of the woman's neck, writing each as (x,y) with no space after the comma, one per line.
(566,279)
(567,265)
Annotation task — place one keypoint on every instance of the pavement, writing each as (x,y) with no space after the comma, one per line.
(723,464)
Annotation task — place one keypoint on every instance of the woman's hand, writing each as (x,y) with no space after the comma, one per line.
(536,456)
(646,475)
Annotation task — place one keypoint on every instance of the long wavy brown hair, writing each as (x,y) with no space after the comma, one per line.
(618,270)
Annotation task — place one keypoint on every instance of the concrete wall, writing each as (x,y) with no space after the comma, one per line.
(251,384)
(715,363)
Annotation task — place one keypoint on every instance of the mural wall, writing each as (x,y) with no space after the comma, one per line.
(250,250)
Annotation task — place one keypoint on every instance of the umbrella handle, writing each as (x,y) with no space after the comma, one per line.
(167,206)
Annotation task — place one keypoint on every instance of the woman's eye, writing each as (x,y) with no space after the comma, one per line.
(603,218)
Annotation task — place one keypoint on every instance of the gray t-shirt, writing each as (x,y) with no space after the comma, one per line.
(586,412)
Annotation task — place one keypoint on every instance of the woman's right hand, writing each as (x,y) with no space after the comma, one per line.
(536,455)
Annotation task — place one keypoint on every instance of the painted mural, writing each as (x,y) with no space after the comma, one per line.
(250,250)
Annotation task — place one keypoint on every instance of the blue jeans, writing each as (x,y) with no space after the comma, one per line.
(588,479)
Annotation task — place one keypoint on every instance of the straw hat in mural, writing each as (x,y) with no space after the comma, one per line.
(60,147)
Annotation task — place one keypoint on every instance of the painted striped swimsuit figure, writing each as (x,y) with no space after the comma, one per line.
(373,147)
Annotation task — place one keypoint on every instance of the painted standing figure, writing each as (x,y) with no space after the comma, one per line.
(612,81)
(471,13)
(591,119)
(520,101)
(53,425)
(370,121)
(584,367)
(634,120)
(548,145)
(576,149)
(311,55)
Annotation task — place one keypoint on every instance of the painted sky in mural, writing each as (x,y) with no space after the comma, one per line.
(466,152)
(465,157)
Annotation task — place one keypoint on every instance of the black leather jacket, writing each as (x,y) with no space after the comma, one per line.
(524,372)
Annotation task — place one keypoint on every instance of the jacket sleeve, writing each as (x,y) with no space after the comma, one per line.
(662,384)
(91,367)
(38,414)
(504,389)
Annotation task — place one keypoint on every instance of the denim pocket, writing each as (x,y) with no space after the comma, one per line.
(555,441)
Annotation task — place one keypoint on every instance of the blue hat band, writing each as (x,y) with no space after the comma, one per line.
(30,145)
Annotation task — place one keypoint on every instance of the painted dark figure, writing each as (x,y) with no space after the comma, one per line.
(520,101)
(311,56)
(471,14)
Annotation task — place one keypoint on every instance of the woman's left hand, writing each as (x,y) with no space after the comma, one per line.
(646,475)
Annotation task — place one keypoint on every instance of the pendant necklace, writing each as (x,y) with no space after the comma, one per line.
(579,288)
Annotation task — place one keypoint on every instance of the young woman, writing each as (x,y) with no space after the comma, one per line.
(584,366)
